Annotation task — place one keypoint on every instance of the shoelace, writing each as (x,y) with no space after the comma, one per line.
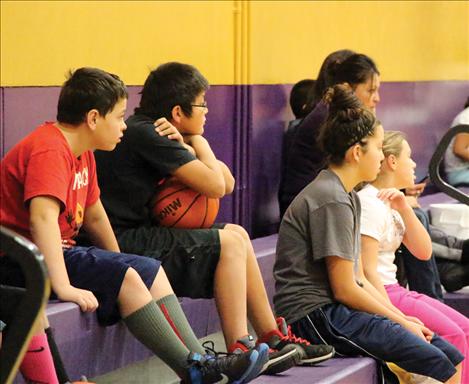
(209,347)
(296,339)
(214,356)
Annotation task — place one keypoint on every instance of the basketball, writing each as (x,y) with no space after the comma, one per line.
(178,206)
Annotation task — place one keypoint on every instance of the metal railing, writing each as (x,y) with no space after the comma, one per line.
(437,158)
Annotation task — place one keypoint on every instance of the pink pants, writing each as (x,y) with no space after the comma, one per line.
(438,317)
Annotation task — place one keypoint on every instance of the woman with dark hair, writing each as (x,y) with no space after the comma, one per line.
(321,288)
(305,159)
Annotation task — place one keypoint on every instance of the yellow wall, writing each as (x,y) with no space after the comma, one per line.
(41,40)
(273,41)
(409,40)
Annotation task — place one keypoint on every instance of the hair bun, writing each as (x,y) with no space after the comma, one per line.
(343,103)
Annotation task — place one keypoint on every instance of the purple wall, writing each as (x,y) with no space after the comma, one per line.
(245,125)
(423,110)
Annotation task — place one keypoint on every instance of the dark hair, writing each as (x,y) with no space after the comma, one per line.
(342,67)
(169,85)
(348,123)
(326,75)
(356,69)
(87,89)
(467,103)
(299,97)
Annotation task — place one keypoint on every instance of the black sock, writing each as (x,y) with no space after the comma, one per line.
(62,375)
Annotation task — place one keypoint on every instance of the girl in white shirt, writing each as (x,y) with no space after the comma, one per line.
(386,221)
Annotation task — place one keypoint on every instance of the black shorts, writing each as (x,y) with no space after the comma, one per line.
(96,270)
(189,256)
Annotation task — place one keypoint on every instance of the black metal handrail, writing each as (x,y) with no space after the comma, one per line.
(434,167)
(29,300)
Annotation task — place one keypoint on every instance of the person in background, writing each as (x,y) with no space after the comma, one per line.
(304,159)
(300,95)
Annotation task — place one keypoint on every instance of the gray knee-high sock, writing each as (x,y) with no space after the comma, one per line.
(150,327)
(173,312)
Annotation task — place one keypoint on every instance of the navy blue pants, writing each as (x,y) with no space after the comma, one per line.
(355,333)
(422,275)
(96,270)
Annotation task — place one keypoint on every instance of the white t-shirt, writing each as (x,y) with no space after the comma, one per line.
(384,224)
(453,162)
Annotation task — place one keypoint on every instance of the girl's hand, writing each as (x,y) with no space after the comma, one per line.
(414,319)
(395,197)
(419,330)
(165,128)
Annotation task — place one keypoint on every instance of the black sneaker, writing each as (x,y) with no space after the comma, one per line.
(223,368)
(309,354)
(279,360)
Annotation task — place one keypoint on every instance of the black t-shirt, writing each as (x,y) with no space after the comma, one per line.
(304,159)
(128,175)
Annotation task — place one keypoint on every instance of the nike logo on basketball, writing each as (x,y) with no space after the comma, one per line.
(170,209)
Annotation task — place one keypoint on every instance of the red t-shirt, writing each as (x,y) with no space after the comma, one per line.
(42,164)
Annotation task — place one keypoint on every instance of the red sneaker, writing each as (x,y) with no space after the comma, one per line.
(309,354)
(279,360)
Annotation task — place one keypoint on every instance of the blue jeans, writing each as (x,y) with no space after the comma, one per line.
(422,275)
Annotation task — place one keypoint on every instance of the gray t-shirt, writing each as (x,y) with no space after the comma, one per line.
(323,220)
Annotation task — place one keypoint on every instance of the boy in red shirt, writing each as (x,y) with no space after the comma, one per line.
(49,191)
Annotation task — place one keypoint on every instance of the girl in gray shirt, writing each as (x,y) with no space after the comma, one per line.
(321,289)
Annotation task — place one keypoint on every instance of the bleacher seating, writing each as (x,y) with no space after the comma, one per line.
(92,350)
(439,198)
(459,300)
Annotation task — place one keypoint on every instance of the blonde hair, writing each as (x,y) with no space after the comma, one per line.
(392,143)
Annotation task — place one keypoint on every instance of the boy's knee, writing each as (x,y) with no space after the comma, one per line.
(232,244)
(132,277)
(239,230)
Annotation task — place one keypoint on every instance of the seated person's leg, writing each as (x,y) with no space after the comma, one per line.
(37,365)
(122,282)
(337,325)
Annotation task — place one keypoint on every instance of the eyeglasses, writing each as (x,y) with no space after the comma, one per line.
(203,105)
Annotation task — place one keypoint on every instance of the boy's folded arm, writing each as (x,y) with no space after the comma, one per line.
(98,227)
(45,232)
(204,174)
(228,176)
